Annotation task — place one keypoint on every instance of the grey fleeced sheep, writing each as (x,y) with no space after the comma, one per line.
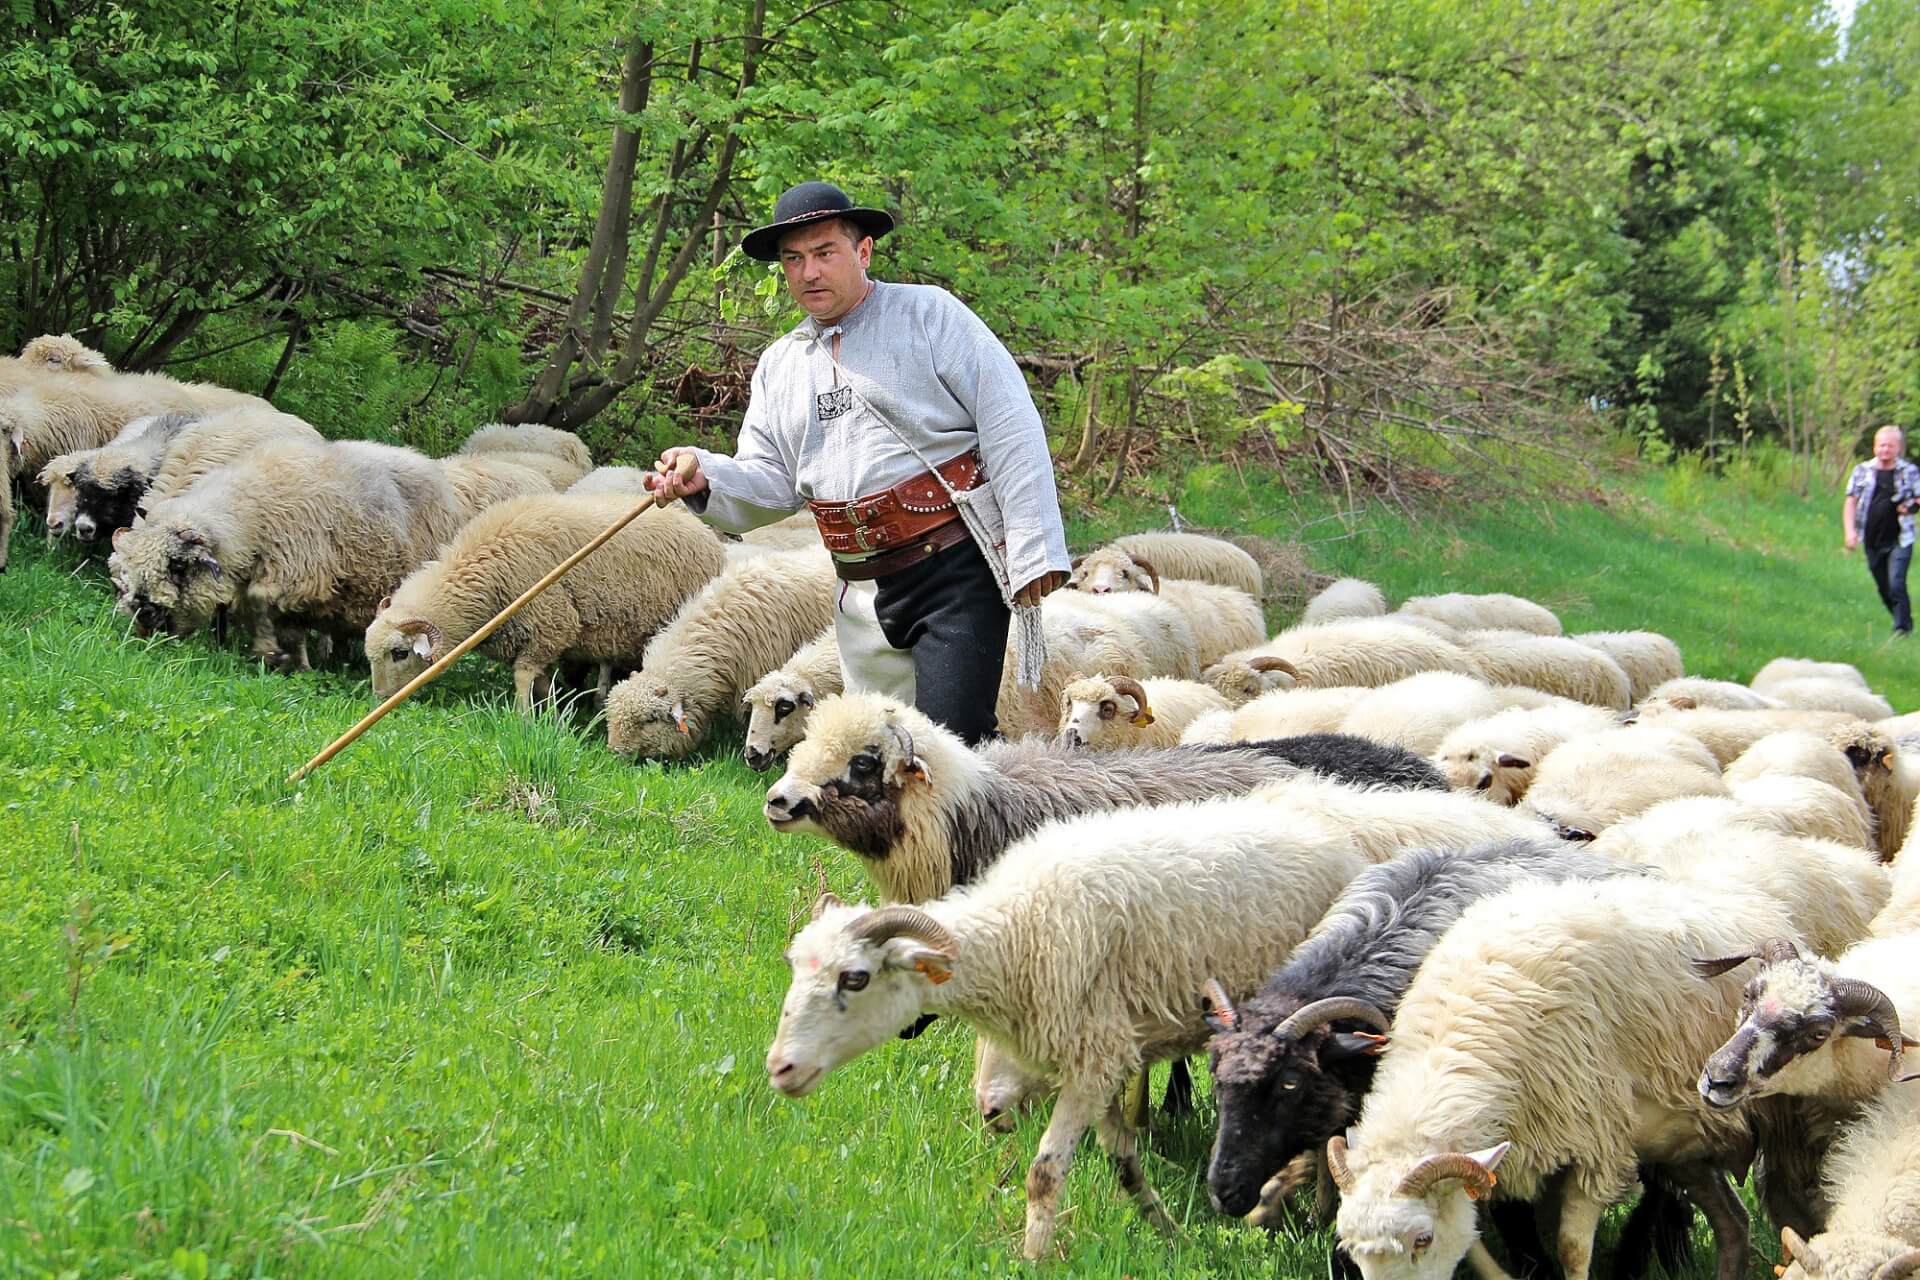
(603,612)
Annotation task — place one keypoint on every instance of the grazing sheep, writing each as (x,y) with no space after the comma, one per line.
(1241,680)
(1689,692)
(1197,558)
(1496,611)
(1728,733)
(1137,634)
(1289,1067)
(1366,652)
(1416,713)
(781,702)
(1287,712)
(602,612)
(1111,713)
(1496,758)
(1553,1027)
(301,535)
(1167,640)
(92,492)
(796,532)
(1387,822)
(1173,896)
(1648,658)
(226,436)
(627,480)
(1781,670)
(483,480)
(1552,664)
(1585,786)
(501,437)
(1889,778)
(51,416)
(1345,598)
(1873,1175)
(1809,807)
(1830,695)
(1224,619)
(1796,752)
(741,625)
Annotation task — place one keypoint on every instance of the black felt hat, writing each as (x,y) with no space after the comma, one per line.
(811,202)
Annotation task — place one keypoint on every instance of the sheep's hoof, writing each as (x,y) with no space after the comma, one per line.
(282,661)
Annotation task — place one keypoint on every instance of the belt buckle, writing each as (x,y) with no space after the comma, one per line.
(860,538)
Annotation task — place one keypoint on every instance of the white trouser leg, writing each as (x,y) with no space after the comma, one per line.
(867,662)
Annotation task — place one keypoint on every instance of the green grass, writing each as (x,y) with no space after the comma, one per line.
(480,999)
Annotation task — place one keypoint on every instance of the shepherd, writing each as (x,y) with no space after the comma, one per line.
(892,411)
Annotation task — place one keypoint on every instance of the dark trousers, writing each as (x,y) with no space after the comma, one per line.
(1888,565)
(946,610)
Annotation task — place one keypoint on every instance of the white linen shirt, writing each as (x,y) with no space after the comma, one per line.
(919,356)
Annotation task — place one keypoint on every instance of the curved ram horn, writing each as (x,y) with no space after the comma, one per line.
(1219,1004)
(1128,687)
(1901,1267)
(1433,1170)
(894,921)
(1264,664)
(1774,950)
(1337,1164)
(1321,1012)
(1853,998)
(1152,572)
(825,903)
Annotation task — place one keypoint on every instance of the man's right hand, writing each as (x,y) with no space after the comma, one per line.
(1853,540)
(675,475)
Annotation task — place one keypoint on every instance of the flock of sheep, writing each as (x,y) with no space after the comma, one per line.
(1459,908)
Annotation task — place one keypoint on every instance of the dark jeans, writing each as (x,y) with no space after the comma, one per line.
(946,610)
(1888,565)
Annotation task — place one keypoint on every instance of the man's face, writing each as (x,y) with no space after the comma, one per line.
(1886,447)
(826,269)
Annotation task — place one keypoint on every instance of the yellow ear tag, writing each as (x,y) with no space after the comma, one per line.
(1143,717)
(936,974)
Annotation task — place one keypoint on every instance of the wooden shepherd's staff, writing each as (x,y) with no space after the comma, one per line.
(466,646)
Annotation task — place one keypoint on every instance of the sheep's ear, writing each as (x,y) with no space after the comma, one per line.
(824,903)
(1506,760)
(804,698)
(911,953)
(1683,702)
(422,645)
(1347,1045)
(386,602)
(119,534)
(18,438)
(1490,1158)
(680,719)
(916,769)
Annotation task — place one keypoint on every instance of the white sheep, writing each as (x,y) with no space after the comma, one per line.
(1798,753)
(737,628)
(627,480)
(1112,713)
(796,532)
(1170,646)
(1816,694)
(1224,619)
(1241,680)
(1196,557)
(603,612)
(299,535)
(1495,611)
(1649,658)
(1552,664)
(1809,807)
(1083,950)
(1728,733)
(1496,758)
(215,440)
(1416,713)
(1286,713)
(1873,1178)
(1361,651)
(1781,670)
(1345,598)
(1554,1029)
(1134,633)
(51,416)
(1889,777)
(1689,692)
(502,437)
(1214,729)
(778,704)
(1586,785)
(1384,822)
(483,480)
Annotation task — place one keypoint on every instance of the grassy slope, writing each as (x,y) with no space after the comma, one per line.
(480,999)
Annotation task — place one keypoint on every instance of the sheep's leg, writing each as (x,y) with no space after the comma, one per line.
(1138,1099)
(1122,1142)
(604,687)
(1707,1187)
(266,636)
(1326,1195)
(1579,1219)
(525,677)
(1073,1111)
(1483,1264)
(1178,1101)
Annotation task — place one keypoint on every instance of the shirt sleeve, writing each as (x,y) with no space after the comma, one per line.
(980,373)
(755,486)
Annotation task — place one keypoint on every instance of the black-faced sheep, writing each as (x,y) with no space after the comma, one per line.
(1167,898)
(741,625)
(603,612)
(1889,778)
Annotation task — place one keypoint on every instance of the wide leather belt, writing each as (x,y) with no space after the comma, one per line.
(952,533)
(898,517)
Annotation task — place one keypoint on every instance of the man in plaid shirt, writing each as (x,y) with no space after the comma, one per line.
(1882,495)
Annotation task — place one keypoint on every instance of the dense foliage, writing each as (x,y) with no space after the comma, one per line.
(1351,236)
